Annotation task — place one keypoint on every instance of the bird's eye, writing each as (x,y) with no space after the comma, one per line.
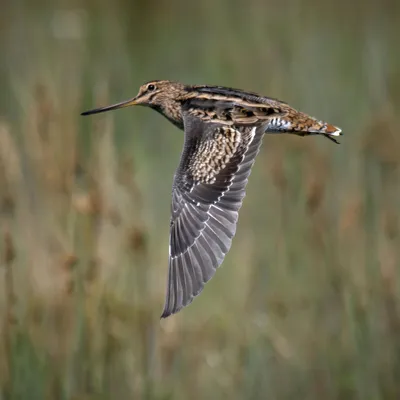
(151,87)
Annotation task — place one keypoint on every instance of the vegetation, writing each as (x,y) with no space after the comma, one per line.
(306,305)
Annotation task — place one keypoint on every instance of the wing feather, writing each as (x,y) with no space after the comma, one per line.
(205,214)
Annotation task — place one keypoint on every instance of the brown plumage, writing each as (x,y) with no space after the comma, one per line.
(223,128)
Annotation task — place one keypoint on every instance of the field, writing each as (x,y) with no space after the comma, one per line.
(307,303)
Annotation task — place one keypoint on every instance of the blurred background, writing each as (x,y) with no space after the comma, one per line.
(306,305)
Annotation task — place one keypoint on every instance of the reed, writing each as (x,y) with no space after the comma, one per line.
(307,302)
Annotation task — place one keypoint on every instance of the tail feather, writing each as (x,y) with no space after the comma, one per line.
(302,124)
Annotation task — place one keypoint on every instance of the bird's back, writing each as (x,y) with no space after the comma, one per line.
(233,93)
(237,107)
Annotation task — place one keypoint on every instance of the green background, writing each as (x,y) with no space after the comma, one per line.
(306,305)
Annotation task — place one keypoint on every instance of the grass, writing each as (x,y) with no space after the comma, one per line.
(306,304)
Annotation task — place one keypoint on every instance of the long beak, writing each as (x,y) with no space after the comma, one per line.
(123,104)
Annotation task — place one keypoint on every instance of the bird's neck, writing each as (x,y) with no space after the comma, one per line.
(172,111)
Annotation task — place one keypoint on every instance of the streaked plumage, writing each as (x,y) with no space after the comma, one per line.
(223,132)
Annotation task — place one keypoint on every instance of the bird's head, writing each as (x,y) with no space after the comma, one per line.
(160,95)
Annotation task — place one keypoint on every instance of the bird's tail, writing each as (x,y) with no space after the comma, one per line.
(301,124)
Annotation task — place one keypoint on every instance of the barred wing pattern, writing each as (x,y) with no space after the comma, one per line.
(205,205)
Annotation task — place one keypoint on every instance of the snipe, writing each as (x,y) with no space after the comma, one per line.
(223,128)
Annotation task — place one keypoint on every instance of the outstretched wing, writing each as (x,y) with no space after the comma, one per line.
(208,191)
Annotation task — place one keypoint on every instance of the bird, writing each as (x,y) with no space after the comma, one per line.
(223,130)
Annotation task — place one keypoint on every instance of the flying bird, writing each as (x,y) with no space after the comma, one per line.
(223,130)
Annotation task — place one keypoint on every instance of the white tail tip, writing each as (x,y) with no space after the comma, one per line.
(338,132)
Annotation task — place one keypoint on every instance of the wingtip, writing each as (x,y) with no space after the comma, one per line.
(165,314)
(331,138)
